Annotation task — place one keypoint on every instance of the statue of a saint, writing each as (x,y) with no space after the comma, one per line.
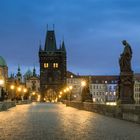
(125,58)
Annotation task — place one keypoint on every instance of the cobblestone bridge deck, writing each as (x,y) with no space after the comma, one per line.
(42,121)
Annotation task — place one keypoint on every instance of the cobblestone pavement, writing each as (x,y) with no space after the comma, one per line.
(42,121)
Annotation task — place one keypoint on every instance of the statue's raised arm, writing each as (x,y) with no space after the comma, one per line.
(125,58)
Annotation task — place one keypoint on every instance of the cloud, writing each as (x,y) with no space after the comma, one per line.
(93,30)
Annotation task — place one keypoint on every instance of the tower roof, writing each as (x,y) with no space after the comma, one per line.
(18,73)
(34,72)
(50,43)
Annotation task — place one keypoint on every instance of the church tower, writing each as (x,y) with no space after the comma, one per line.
(19,75)
(53,67)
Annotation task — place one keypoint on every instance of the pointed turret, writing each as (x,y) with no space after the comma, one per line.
(40,48)
(34,72)
(63,47)
(50,43)
(60,46)
(18,73)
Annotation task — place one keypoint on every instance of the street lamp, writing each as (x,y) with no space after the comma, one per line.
(1,82)
(12,87)
(83,94)
(19,89)
(70,87)
(83,83)
(24,90)
(33,93)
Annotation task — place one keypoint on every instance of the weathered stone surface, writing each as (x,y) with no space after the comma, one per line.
(126,86)
(128,112)
(24,102)
(6,105)
(58,122)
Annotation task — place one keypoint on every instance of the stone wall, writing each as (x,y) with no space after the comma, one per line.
(126,112)
(6,105)
(23,102)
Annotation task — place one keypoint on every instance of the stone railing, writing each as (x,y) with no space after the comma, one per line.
(6,105)
(24,102)
(126,112)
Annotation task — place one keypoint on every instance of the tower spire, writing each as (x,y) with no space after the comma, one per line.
(63,47)
(34,72)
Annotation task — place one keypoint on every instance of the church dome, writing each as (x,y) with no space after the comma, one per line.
(2,62)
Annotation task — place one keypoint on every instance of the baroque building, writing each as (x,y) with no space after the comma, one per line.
(53,67)
(32,81)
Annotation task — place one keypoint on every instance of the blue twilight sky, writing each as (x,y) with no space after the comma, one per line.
(92,30)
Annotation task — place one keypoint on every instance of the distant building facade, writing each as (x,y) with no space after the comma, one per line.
(76,82)
(104,88)
(32,81)
(137,88)
(53,66)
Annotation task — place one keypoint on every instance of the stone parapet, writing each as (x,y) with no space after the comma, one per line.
(127,112)
(6,105)
(24,102)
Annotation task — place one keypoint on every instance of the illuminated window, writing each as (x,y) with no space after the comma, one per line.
(55,65)
(46,65)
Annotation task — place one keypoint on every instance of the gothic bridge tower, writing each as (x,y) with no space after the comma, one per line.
(53,67)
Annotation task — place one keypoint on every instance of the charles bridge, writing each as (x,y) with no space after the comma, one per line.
(55,121)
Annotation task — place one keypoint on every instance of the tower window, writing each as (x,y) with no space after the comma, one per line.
(55,65)
(46,65)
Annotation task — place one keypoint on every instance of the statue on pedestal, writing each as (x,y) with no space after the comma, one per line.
(126,82)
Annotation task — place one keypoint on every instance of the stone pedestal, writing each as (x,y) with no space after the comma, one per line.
(126,88)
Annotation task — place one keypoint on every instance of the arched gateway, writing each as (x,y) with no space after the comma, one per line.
(52,67)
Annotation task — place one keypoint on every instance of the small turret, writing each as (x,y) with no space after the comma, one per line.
(19,75)
(63,47)
(34,72)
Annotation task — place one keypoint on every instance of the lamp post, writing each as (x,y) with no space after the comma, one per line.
(12,87)
(24,91)
(83,84)
(18,90)
(70,92)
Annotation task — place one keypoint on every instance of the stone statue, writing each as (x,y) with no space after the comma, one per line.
(126,80)
(125,58)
